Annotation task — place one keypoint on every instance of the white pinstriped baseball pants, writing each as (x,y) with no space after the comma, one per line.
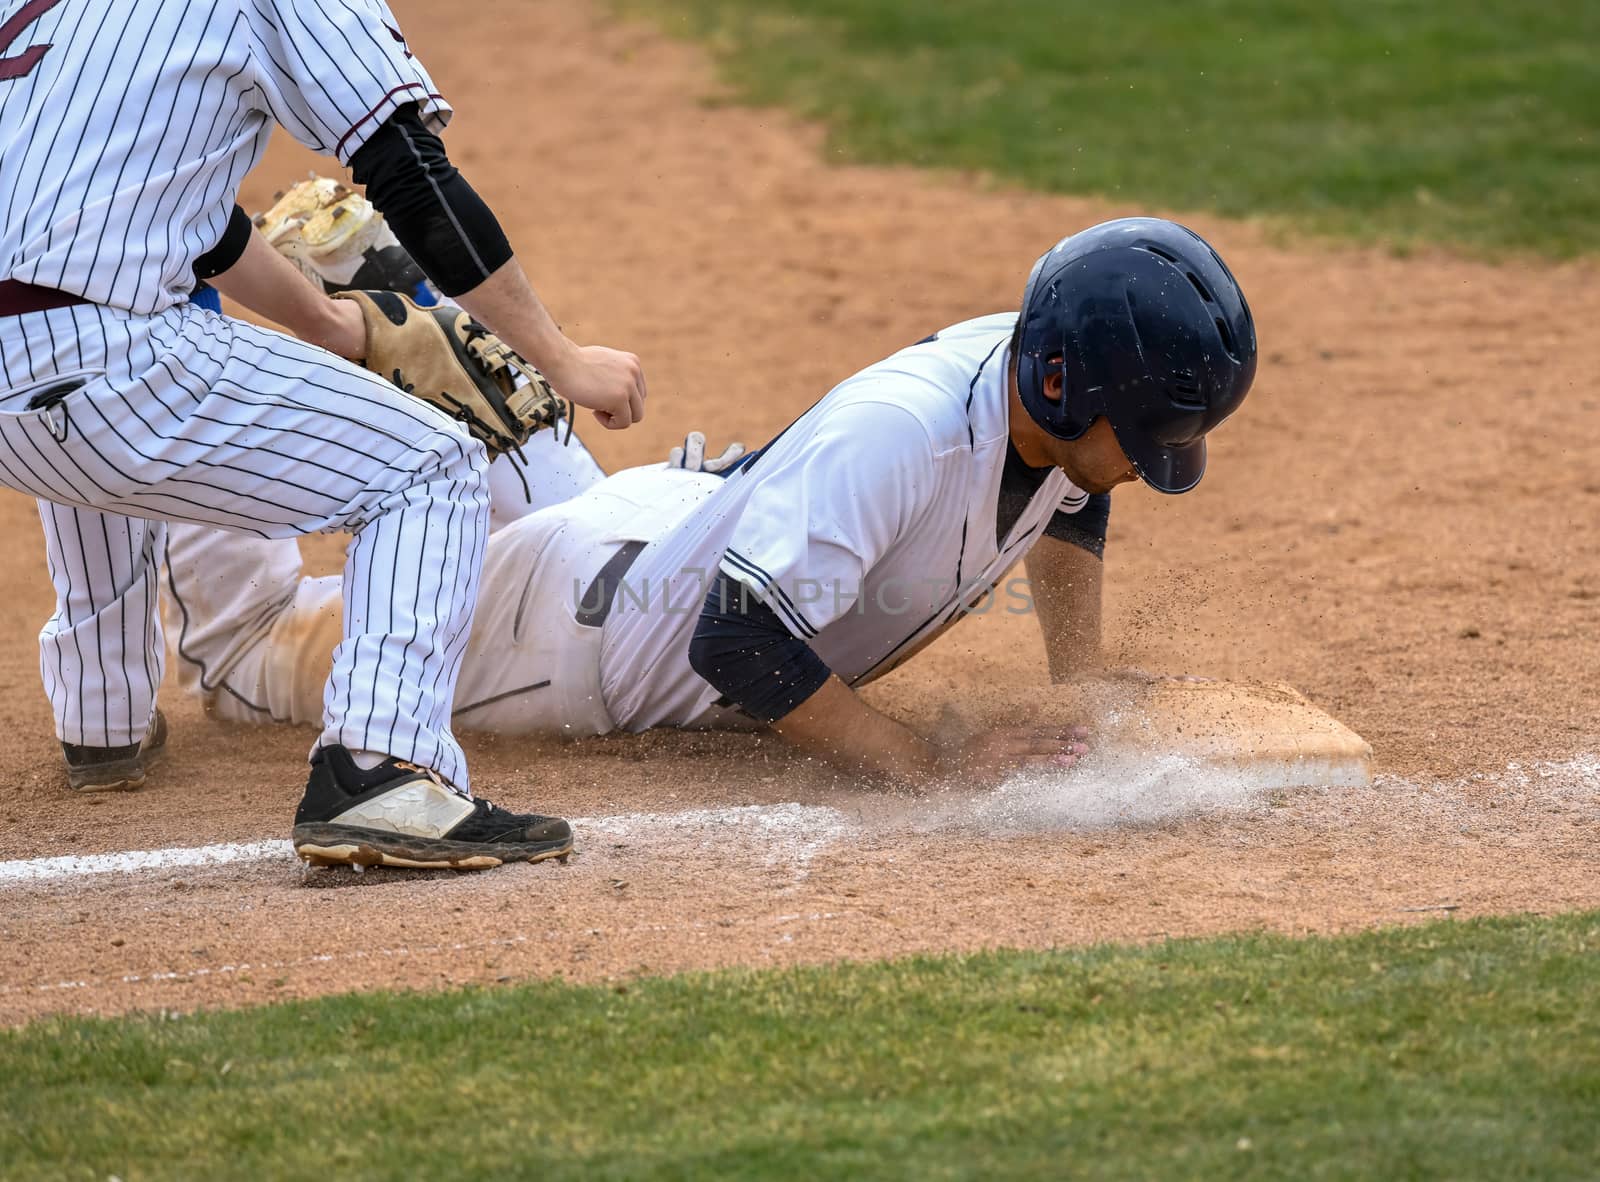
(191,416)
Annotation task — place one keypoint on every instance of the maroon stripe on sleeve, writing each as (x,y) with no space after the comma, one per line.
(338,149)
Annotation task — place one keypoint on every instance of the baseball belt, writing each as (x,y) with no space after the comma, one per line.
(17,298)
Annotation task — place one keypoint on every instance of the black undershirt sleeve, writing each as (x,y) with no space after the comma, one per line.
(743,650)
(229,248)
(433,211)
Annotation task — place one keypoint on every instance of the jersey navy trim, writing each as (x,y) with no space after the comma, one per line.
(766,585)
(972,444)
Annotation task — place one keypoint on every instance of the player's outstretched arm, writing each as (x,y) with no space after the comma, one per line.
(744,651)
(837,725)
(1066,581)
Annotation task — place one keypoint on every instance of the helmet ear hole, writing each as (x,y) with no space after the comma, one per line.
(1227,338)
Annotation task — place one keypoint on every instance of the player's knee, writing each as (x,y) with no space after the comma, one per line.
(474,481)
(456,456)
(451,468)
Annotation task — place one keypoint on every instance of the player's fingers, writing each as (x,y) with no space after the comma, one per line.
(1053,736)
(626,410)
(1053,748)
(1049,750)
(694,451)
(1057,731)
(730,456)
(1040,748)
(1066,734)
(1058,762)
(639,385)
(636,401)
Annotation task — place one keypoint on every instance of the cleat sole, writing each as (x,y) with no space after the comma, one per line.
(337,845)
(122,775)
(129,783)
(126,775)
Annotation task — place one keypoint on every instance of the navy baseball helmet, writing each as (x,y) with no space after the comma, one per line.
(1148,328)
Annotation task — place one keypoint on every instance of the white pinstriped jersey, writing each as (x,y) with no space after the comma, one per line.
(127,125)
(869,527)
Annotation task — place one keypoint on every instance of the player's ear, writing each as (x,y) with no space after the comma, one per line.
(1052,385)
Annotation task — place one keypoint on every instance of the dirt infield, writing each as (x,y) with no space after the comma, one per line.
(1404,522)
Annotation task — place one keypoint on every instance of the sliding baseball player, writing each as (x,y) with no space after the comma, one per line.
(766,593)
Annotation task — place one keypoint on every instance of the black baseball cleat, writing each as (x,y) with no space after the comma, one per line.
(115,769)
(399,814)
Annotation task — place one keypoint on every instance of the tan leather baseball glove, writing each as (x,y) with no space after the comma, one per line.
(445,357)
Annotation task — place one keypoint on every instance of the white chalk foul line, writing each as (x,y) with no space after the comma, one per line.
(131,861)
(792,831)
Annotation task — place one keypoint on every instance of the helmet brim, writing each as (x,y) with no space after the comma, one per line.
(1170,469)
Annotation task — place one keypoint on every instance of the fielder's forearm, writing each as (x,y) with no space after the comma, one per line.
(837,725)
(507,303)
(458,242)
(271,286)
(454,236)
(1066,582)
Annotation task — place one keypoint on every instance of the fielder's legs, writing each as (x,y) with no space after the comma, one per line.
(101,654)
(191,416)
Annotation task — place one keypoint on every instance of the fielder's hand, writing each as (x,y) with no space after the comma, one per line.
(445,357)
(607,381)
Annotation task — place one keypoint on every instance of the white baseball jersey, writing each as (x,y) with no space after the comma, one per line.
(128,125)
(873,522)
(869,526)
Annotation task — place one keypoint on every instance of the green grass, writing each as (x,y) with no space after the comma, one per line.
(1472,122)
(1460,1050)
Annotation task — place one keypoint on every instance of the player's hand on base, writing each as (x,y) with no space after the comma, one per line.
(1132,673)
(607,381)
(991,756)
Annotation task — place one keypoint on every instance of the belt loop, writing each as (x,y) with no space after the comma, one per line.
(50,405)
(55,417)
